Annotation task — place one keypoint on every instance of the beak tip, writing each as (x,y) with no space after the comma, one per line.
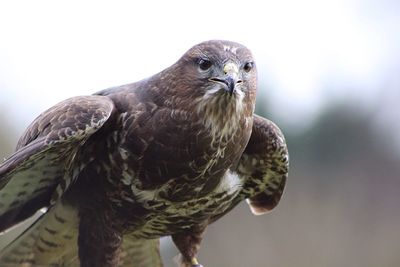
(231,83)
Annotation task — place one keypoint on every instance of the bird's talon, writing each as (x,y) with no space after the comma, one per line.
(195,263)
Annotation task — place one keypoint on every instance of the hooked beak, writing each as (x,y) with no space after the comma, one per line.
(230,79)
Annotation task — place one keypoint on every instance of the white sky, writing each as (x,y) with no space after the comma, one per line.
(308,52)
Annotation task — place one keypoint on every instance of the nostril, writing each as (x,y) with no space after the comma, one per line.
(239,81)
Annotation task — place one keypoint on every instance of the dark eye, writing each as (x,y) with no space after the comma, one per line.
(248,66)
(204,64)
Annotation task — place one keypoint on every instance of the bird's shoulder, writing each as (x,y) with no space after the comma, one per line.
(146,107)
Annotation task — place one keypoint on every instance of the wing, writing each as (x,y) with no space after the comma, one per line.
(50,241)
(264,166)
(45,155)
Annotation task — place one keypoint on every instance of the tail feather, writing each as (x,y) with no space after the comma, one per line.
(140,252)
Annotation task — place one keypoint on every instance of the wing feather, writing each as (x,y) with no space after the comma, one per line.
(264,166)
(29,177)
(263,169)
(51,240)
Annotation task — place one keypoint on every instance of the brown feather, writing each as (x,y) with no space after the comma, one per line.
(163,156)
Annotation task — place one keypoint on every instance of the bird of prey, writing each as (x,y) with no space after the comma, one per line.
(165,156)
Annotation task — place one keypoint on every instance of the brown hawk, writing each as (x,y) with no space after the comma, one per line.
(167,155)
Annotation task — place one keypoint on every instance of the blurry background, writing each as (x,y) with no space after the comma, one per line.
(328,75)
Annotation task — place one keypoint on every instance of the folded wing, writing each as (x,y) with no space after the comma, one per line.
(264,166)
(46,154)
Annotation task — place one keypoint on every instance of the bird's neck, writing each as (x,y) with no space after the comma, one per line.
(224,115)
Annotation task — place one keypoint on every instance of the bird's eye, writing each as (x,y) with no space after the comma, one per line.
(204,64)
(248,66)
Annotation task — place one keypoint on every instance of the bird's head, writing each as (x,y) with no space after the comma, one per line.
(215,81)
(218,69)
